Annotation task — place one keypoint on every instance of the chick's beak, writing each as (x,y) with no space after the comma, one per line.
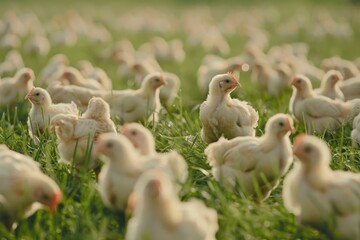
(123,129)
(98,149)
(29,95)
(290,125)
(293,80)
(297,146)
(162,80)
(56,199)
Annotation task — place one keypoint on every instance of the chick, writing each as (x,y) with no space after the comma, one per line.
(53,70)
(15,88)
(24,188)
(351,88)
(73,76)
(320,197)
(330,86)
(256,163)
(76,134)
(42,110)
(141,104)
(159,214)
(221,115)
(317,112)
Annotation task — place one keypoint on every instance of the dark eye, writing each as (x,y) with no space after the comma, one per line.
(109,145)
(157,80)
(46,198)
(37,94)
(133,132)
(227,81)
(281,124)
(298,81)
(307,149)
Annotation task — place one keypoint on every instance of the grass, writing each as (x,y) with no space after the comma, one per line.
(82,214)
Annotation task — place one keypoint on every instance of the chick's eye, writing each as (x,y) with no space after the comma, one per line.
(109,145)
(37,94)
(307,149)
(45,198)
(227,81)
(157,80)
(133,133)
(298,81)
(281,124)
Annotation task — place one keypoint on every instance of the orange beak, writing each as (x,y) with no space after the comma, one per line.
(98,147)
(131,204)
(29,94)
(297,145)
(162,80)
(290,126)
(293,80)
(56,199)
(123,129)
(234,80)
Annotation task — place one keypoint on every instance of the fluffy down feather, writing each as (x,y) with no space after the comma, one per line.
(221,115)
(317,112)
(42,110)
(256,163)
(320,197)
(23,188)
(159,214)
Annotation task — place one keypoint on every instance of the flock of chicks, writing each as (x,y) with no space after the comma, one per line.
(135,177)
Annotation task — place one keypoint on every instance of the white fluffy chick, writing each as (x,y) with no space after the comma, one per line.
(73,76)
(121,170)
(141,104)
(76,134)
(15,88)
(355,133)
(222,115)
(207,71)
(317,112)
(170,162)
(141,138)
(264,75)
(159,214)
(24,188)
(101,77)
(53,70)
(38,45)
(320,197)
(42,110)
(13,62)
(256,163)
(330,85)
(351,88)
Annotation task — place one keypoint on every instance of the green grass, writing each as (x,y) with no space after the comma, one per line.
(82,214)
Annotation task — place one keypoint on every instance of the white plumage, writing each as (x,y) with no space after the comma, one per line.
(141,104)
(212,66)
(222,115)
(330,85)
(170,162)
(256,163)
(42,110)
(15,88)
(73,76)
(317,112)
(23,188)
(318,196)
(159,214)
(76,134)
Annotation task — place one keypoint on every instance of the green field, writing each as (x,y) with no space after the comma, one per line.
(82,215)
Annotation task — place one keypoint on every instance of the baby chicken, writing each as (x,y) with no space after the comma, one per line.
(15,88)
(330,86)
(256,163)
(24,188)
(76,134)
(222,115)
(317,112)
(42,110)
(159,214)
(320,197)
